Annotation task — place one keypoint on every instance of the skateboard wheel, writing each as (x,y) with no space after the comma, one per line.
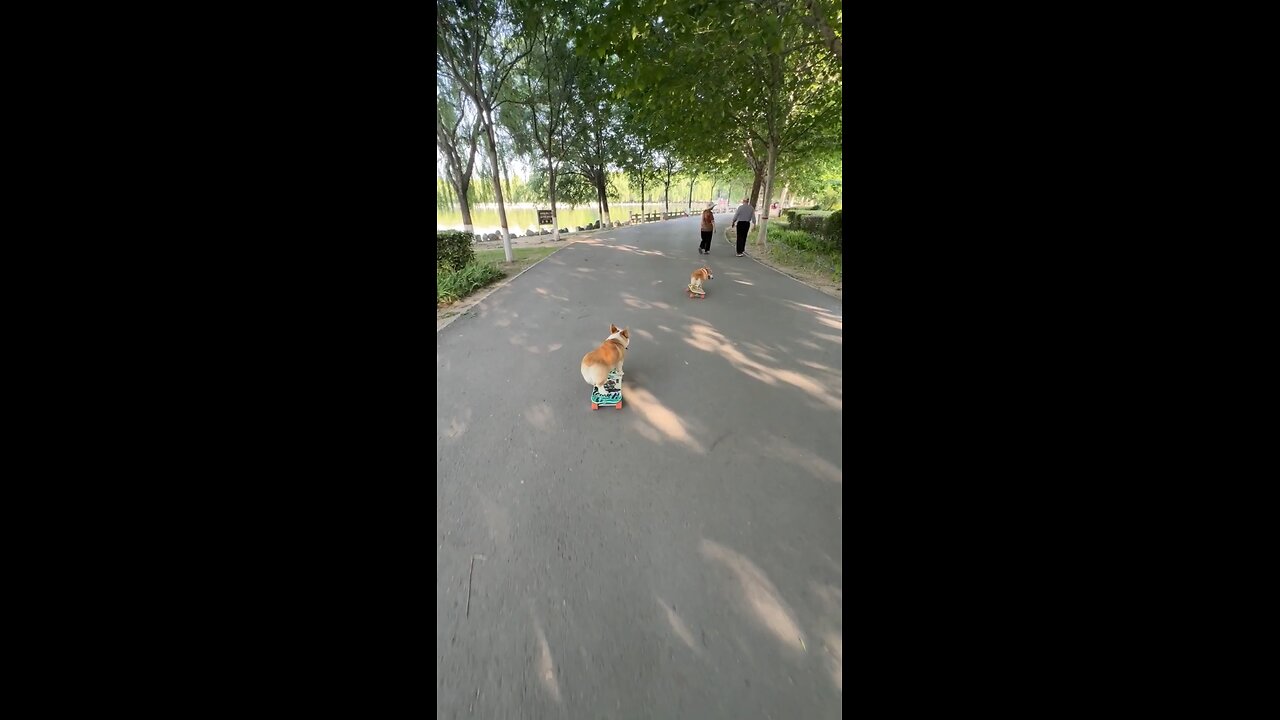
(595,406)
(618,406)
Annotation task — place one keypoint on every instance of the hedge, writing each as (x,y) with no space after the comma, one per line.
(453,250)
(834,227)
(810,223)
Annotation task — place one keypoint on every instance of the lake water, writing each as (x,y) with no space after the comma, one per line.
(523,219)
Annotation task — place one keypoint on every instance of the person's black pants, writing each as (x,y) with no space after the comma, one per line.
(743,226)
(706,241)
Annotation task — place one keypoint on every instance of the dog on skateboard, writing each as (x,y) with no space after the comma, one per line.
(697,278)
(609,356)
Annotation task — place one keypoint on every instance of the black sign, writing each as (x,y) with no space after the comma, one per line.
(544,217)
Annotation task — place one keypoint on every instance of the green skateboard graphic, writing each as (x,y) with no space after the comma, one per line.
(610,394)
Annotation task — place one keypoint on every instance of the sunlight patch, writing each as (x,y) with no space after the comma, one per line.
(758,594)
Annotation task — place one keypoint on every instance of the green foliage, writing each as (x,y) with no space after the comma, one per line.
(810,177)
(601,87)
(803,249)
(452,285)
(794,215)
(821,226)
(834,227)
(810,223)
(570,189)
(453,250)
(758,78)
(832,197)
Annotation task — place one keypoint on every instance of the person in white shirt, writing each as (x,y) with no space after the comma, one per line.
(744,218)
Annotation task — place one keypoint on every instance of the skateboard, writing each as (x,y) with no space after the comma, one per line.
(612,394)
(695,292)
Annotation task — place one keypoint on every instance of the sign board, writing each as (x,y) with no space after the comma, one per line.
(544,217)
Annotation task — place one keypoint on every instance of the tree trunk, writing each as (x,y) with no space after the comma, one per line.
(506,177)
(466,217)
(816,20)
(642,199)
(604,203)
(462,195)
(551,177)
(755,186)
(771,168)
(555,215)
(491,146)
(690,208)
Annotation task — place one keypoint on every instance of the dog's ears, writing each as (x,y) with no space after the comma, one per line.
(626,333)
(612,328)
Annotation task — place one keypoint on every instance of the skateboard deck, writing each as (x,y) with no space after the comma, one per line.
(610,394)
(696,292)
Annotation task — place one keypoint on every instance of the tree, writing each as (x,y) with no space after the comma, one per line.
(801,96)
(541,96)
(810,177)
(693,178)
(477,47)
(782,96)
(828,22)
(641,171)
(639,152)
(457,134)
(599,141)
(667,166)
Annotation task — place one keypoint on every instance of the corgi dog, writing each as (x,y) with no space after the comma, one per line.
(597,363)
(695,280)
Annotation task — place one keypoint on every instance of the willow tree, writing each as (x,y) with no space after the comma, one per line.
(457,134)
(540,96)
(478,45)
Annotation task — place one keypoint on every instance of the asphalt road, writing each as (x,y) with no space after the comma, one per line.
(678,558)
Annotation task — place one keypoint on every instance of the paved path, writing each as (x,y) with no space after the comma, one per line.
(678,558)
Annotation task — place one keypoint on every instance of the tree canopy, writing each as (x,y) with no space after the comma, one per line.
(727,90)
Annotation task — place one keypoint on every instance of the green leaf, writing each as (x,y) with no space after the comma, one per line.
(634,32)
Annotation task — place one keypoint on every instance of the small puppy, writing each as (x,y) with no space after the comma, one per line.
(597,363)
(702,273)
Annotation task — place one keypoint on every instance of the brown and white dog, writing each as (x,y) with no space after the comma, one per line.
(597,363)
(702,273)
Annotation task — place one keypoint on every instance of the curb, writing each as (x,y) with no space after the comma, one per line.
(733,244)
(442,324)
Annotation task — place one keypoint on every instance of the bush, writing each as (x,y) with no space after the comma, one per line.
(811,223)
(816,207)
(799,240)
(453,250)
(833,229)
(797,248)
(452,285)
